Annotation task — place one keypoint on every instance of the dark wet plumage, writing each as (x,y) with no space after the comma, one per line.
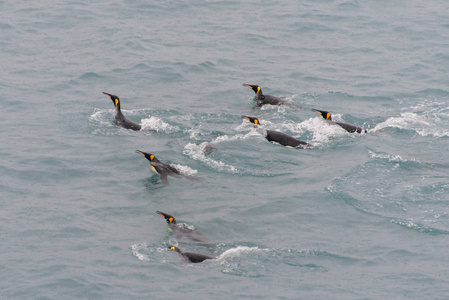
(163,169)
(181,232)
(265,99)
(348,127)
(120,119)
(277,136)
(191,256)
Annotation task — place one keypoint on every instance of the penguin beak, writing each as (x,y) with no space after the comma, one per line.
(140,152)
(326,115)
(319,112)
(148,156)
(247,85)
(109,95)
(160,213)
(255,121)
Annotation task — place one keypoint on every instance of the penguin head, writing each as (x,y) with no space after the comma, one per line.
(325,114)
(148,156)
(254,87)
(253,120)
(114,99)
(170,219)
(175,249)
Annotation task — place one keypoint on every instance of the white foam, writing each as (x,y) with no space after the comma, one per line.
(405,121)
(197,152)
(184,169)
(193,133)
(322,131)
(296,128)
(429,124)
(227,138)
(236,252)
(282,109)
(389,157)
(102,116)
(158,124)
(188,226)
(135,251)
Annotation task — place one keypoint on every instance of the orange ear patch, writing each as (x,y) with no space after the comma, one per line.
(151,157)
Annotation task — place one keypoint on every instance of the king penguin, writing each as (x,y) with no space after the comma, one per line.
(164,169)
(181,232)
(191,256)
(348,127)
(120,119)
(265,99)
(278,137)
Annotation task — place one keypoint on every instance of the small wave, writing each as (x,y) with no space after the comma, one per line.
(197,152)
(238,251)
(89,76)
(418,227)
(102,116)
(5,26)
(393,187)
(255,261)
(427,124)
(234,253)
(228,138)
(193,133)
(136,251)
(389,157)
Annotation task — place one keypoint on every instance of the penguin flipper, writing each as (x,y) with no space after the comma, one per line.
(164,179)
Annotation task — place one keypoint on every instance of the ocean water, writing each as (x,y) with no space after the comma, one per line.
(356,216)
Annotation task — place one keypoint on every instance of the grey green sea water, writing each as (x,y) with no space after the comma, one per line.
(356,216)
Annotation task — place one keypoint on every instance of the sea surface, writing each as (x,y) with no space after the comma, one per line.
(356,216)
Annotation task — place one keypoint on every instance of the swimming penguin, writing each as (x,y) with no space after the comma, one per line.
(163,169)
(278,137)
(120,119)
(265,99)
(348,127)
(191,256)
(182,232)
